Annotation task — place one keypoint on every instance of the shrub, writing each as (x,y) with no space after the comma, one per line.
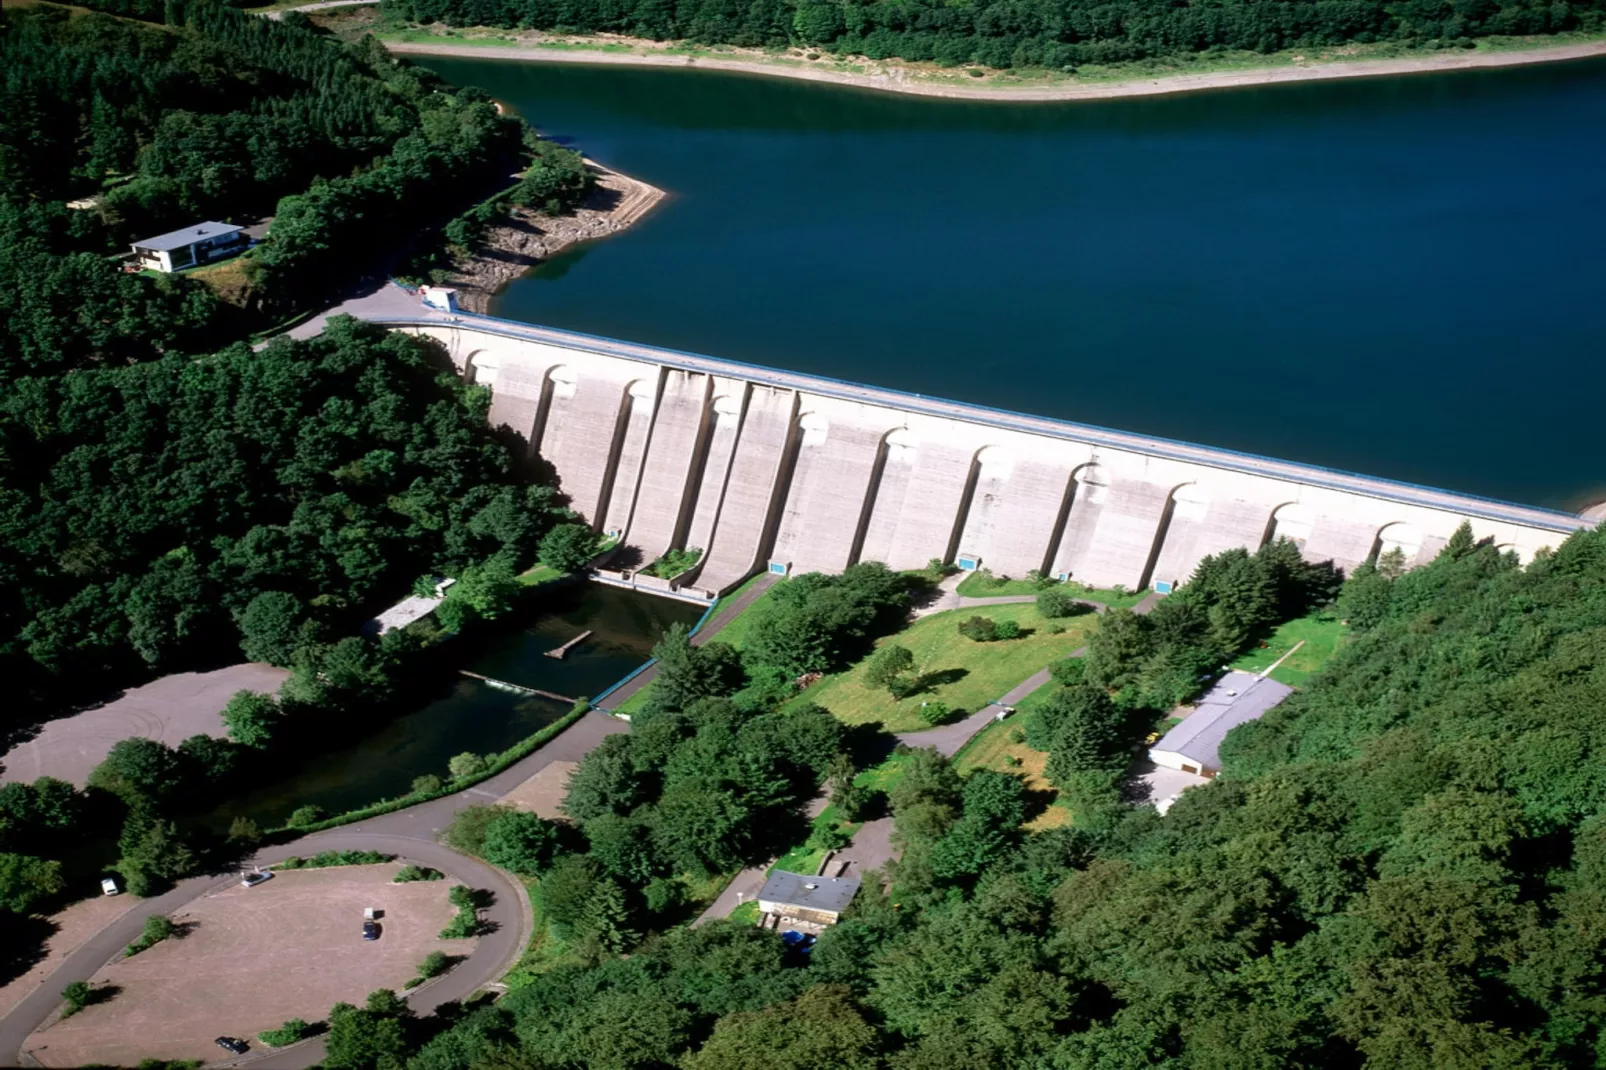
(428,784)
(901,687)
(78,996)
(305,815)
(466,764)
(435,963)
(1006,629)
(467,831)
(467,922)
(409,873)
(158,927)
(888,664)
(289,1033)
(244,830)
(1055,603)
(664,894)
(979,629)
(520,842)
(935,713)
(829,838)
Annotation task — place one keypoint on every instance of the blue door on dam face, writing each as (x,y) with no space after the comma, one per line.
(968,563)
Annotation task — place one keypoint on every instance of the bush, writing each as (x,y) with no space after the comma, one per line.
(428,784)
(244,831)
(901,687)
(829,838)
(409,873)
(664,894)
(78,996)
(935,713)
(979,629)
(467,831)
(520,842)
(1006,629)
(466,764)
(158,927)
(289,1033)
(325,859)
(1056,603)
(467,922)
(305,815)
(435,963)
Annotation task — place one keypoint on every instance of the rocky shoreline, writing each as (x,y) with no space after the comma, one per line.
(526,237)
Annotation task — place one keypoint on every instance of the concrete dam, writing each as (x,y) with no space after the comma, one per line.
(765,469)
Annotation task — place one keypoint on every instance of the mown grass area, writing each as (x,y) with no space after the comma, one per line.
(1321,632)
(984,584)
(540,574)
(960,673)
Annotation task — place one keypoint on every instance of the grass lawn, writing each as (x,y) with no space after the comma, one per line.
(1322,633)
(746,914)
(540,574)
(984,584)
(969,674)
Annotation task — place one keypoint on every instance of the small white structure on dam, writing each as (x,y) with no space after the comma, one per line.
(769,469)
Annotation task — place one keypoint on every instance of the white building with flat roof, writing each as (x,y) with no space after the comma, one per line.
(1194,745)
(192,246)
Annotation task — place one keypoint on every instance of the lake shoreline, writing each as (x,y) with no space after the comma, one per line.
(523,239)
(902,80)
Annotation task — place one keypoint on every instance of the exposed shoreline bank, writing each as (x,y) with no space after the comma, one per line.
(525,238)
(899,79)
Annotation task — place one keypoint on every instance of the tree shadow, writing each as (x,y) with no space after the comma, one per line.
(868,744)
(927,681)
(1037,801)
(22,943)
(627,558)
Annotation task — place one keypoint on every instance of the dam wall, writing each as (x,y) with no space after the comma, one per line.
(761,468)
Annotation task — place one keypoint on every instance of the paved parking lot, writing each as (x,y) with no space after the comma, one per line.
(290,948)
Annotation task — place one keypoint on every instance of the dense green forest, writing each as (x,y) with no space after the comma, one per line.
(1404,865)
(150,513)
(1022,33)
(204,112)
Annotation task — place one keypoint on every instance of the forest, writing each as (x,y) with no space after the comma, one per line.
(152,116)
(1404,865)
(1053,34)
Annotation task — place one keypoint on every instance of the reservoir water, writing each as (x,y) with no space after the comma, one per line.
(469,715)
(1402,277)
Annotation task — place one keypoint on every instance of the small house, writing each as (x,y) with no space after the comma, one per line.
(190,247)
(1194,745)
(814,901)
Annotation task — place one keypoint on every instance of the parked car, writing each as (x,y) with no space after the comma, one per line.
(370,930)
(251,880)
(234,1044)
(108,886)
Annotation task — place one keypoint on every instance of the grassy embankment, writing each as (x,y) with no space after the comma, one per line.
(733,631)
(983,584)
(1322,634)
(958,672)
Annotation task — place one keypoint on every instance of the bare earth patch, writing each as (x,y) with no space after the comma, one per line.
(542,793)
(74,926)
(253,958)
(170,709)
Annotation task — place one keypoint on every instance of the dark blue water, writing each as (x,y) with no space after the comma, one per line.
(1403,277)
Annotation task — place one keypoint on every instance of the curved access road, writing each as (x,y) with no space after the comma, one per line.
(408,834)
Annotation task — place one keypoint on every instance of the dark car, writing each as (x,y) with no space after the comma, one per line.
(234,1044)
(370,930)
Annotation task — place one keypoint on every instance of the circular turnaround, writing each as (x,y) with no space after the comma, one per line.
(247,959)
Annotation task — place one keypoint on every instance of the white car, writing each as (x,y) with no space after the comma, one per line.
(251,880)
(109,887)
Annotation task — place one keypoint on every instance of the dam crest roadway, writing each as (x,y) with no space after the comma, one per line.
(766,469)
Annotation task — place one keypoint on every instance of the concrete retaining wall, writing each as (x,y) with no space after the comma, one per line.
(755,465)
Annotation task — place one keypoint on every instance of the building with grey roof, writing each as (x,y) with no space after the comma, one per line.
(815,900)
(1194,745)
(192,246)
